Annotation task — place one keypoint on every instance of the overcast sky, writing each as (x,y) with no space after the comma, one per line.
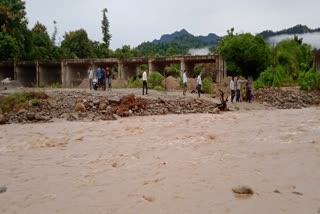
(135,21)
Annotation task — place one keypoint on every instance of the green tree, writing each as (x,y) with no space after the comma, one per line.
(42,44)
(246,55)
(125,52)
(105,28)
(13,22)
(9,48)
(76,44)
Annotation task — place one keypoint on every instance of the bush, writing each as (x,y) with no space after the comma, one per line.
(159,88)
(207,85)
(273,78)
(155,79)
(134,82)
(56,85)
(309,80)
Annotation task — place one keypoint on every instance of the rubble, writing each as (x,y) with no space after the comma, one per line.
(287,98)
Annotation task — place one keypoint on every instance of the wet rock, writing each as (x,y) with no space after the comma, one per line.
(2,119)
(115,99)
(243,190)
(73,117)
(39,117)
(116,117)
(80,107)
(31,116)
(3,189)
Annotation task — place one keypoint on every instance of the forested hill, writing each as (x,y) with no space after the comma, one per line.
(210,39)
(298,29)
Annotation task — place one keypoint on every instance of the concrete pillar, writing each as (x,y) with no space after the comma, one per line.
(183,67)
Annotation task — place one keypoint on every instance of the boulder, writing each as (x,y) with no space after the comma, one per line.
(115,99)
(80,107)
(103,106)
(2,119)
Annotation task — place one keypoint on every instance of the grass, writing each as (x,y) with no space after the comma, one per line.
(18,100)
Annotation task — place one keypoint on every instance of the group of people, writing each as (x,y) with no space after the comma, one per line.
(102,75)
(237,85)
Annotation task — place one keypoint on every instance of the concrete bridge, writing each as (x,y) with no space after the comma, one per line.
(70,73)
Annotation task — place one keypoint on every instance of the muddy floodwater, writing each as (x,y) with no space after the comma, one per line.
(164,164)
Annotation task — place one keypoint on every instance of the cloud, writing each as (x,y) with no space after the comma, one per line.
(309,38)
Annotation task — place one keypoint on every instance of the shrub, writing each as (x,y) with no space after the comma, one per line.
(155,79)
(207,85)
(56,85)
(159,88)
(134,82)
(273,78)
(309,80)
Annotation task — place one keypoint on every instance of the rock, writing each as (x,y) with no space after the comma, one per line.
(237,108)
(39,117)
(2,119)
(52,103)
(116,117)
(216,111)
(243,190)
(96,102)
(73,117)
(115,99)
(80,107)
(277,191)
(31,116)
(103,106)
(3,189)
(22,111)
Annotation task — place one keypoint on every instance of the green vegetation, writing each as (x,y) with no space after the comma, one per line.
(309,80)
(246,55)
(16,101)
(155,79)
(134,82)
(56,85)
(207,85)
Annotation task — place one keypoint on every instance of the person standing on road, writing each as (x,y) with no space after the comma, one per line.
(239,81)
(98,75)
(90,72)
(109,77)
(232,89)
(185,82)
(103,78)
(144,82)
(199,83)
(248,90)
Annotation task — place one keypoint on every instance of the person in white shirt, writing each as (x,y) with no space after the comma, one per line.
(144,82)
(199,83)
(90,72)
(185,81)
(232,89)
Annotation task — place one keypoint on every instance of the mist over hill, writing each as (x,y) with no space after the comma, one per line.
(309,38)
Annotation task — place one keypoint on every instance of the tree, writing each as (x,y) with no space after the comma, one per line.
(125,52)
(246,55)
(9,48)
(13,22)
(105,28)
(42,44)
(55,33)
(76,44)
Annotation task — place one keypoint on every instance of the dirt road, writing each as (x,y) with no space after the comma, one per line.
(164,164)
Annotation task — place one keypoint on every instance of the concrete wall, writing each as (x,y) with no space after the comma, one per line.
(26,74)
(72,72)
(6,70)
(49,74)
